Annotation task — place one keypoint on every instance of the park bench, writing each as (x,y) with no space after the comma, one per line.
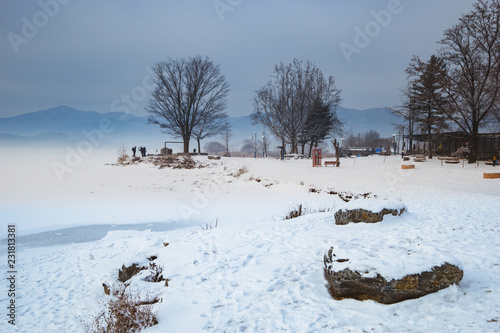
(419,158)
(333,163)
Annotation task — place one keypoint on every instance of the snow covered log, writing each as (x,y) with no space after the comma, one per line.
(352,278)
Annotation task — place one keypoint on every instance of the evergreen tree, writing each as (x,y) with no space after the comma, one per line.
(427,96)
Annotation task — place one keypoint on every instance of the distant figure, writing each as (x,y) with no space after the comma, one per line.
(494,160)
(402,154)
(194,150)
(134,149)
(143,151)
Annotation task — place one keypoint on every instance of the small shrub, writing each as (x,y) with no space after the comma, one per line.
(156,273)
(301,210)
(241,171)
(124,313)
(122,154)
(210,226)
(295,212)
(186,162)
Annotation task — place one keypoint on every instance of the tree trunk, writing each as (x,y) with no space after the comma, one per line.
(199,147)
(430,143)
(186,146)
(311,147)
(337,152)
(474,143)
(293,146)
(411,144)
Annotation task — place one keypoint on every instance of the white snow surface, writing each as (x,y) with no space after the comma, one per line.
(254,272)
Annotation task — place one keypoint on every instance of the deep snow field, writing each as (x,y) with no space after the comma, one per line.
(254,271)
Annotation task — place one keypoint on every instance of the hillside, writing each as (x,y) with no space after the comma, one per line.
(65,125)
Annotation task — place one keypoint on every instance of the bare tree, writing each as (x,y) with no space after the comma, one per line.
(471,50)
(227,135)
(283,105)
(408,111)
(214,147)
(211,125)
(188,93)
(248,147)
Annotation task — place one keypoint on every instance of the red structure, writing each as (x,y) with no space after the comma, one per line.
(316,157)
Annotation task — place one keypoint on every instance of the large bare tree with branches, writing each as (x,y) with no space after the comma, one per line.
(211,125)
(284,104)
(471,50)
(190,96)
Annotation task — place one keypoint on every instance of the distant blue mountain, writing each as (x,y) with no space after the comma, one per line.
(66,125)
(361,121)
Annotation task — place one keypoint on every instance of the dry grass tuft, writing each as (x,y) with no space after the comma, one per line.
(295,212)
(124,313)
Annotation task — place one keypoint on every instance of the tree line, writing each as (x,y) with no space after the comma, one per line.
(298,105)
(458,87)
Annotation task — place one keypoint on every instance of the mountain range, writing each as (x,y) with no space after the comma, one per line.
(65,125)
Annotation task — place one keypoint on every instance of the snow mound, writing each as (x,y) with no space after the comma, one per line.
(392,259)
(376,205)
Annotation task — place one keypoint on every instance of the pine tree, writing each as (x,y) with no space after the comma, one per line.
(427,96)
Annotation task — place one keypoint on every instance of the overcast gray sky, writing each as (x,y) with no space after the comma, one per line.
(94,55)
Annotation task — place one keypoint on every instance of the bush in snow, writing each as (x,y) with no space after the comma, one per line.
(122,153)
(297,211)
(124,313)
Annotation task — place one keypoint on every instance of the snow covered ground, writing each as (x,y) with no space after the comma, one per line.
(255,271)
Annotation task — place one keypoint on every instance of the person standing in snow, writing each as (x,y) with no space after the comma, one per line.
(143,151)
(494,160)
(134,149)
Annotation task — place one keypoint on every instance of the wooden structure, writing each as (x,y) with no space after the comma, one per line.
(316,157)
(407,166)
(491,175)
(450,142)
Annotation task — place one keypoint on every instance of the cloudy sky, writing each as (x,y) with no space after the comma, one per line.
(94,55)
